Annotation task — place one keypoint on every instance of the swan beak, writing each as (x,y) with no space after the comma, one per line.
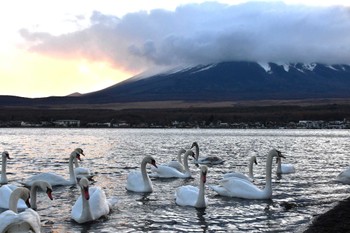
(27,203)
(86,193)
(49,193)
(8,156)
(82,153)
(256,163)
(154,163)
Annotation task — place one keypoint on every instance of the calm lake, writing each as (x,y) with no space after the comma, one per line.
(318,156)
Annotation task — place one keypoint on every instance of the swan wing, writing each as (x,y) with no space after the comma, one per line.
(236,187)
(135,182)
(98,202)
(5,193)
(52,178)
(163,171)
(236,174)
(26,221)
(186,195)
(177,165)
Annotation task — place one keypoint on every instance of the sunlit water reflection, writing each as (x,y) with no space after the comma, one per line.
(318,155)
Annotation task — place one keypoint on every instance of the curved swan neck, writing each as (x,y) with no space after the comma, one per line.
(3,170)
(15,196)
(76,163)
(145,177)
(179,159)
(187,169)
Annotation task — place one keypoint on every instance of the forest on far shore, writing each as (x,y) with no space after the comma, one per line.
(237,114)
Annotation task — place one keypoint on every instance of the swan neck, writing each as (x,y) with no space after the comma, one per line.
(3,170)
(145,177)
(268,186)
(201,194)
(85,212)
(187,169)
(179,159)
(197,151)
(76,163)
(251,163)
(33,194)
(71,170)
(14,197)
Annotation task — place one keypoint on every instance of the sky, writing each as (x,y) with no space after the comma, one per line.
(55,48)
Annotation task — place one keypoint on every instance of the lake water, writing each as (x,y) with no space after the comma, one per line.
(318,155)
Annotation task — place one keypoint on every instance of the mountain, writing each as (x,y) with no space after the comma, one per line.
(229,81)
(226,81)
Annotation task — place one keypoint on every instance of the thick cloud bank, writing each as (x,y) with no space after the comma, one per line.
(208,33)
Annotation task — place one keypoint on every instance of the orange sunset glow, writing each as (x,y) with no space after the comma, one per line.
(35,75)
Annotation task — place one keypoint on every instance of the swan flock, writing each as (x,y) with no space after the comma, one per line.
(92,203)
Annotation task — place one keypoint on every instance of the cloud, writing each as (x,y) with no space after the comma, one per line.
(208,33)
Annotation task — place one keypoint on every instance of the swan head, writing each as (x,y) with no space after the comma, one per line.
(80,151)
(44,186)
(6,155)
(194,144)
(76,155)
(182,150)
(276,153)
(204,171)
(150,160)
(84,185)
(24,195)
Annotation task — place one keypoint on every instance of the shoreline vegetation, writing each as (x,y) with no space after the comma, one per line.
(327,116)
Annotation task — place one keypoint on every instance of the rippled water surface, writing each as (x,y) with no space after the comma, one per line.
(318,155)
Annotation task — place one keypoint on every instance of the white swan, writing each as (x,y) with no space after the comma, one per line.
(54,179)
(6,191)
(178,165)
(252,161)
(236,187)
(164,171)
(193,196)
(91,204)
(26,221)
(81,171)
(5,157)
(212,160)
(344,176)
(139,181)
(283,168)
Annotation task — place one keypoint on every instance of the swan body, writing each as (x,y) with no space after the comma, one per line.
(5,157)
(91,204)
(193,196)
(237,187)
(344,176)
(26,221)
(177,164)
(139,181)
(81,171)
(284,168)
(6,191)
(164,171)
(210,160)
(252,161)
(54,179)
